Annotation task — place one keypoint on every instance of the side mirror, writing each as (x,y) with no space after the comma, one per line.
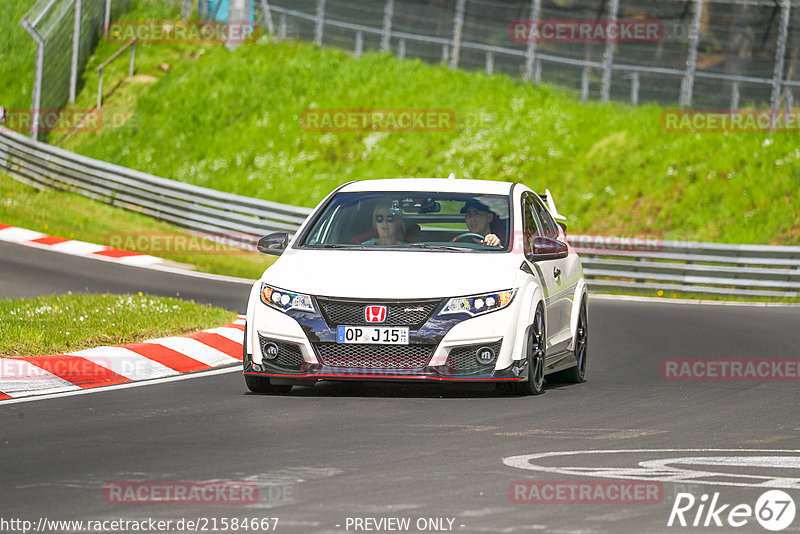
(274,243)
(547,248)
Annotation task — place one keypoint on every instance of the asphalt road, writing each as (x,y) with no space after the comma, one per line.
(30,272)
(338,451)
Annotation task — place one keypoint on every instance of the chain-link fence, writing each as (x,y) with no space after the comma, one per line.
(713,54)
(65,32)
(719,54)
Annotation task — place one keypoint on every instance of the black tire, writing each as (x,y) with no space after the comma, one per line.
(577,374)
(261,384)
(535,353)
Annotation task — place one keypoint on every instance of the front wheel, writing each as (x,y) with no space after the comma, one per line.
(261,384)
(535,352)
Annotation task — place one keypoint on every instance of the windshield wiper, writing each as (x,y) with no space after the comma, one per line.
(428,246)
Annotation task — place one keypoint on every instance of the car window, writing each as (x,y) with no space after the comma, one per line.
(530,224)
(550,229)
(409,220)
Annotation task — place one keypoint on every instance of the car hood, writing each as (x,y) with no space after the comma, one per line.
(392,274)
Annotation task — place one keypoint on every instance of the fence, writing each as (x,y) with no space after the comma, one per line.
(714,54)
(752,270)
(65,32)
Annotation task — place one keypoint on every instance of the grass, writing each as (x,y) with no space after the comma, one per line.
(231,121)
(17,56)
(66,323)
(692,296)
(73,216)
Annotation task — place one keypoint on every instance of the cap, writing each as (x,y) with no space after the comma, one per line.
(477,204)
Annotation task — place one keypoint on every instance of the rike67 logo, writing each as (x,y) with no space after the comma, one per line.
(774,510)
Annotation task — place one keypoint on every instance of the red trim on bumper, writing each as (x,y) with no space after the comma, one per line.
(323,376)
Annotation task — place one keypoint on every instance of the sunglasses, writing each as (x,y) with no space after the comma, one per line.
(379,218)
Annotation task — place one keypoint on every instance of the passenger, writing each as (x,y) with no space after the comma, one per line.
(388,223)
(479,219)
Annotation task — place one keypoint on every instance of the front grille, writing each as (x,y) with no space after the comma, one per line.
(366,356)
(398,313)
(289,355)
(463,358)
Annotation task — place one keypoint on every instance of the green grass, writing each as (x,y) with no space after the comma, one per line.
(66,323)
(231,121)
(73,216)
(17,56)
(693,296)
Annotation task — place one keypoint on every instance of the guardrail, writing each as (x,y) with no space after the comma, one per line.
(185,205)
(713,268)
(608,262)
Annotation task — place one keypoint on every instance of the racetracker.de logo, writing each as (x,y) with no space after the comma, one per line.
(378,120)
(53,120)
(178,32)
(586,31)
(181,492)
(585,491)
(174,243)
(730,121)
(616,245)
(730,369)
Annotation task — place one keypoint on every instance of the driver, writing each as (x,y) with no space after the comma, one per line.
(479,219)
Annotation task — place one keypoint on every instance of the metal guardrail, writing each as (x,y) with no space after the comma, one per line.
(712,268)
(608,262)
(185,205)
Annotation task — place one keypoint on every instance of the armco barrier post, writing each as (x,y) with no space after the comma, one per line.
(320,22)
(386,30)
(458,28)
(608,56)
(687,85)
(530,51)
(780,54)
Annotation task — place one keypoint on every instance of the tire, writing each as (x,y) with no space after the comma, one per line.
(535,354)
(577,374)
(262,385)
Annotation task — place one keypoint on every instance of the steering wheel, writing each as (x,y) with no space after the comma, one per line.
(460,237)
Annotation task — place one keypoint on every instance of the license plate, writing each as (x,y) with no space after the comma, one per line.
(375,335)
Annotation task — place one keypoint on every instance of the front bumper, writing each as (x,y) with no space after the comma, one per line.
(313,372)
(301,346)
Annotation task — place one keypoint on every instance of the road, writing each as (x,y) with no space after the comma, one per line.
(338,451)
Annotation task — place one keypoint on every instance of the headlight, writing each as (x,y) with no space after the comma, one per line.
(479,304)
(285,300)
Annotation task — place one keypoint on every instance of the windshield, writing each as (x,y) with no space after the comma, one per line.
(410,220)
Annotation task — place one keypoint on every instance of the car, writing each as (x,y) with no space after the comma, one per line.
(420,279)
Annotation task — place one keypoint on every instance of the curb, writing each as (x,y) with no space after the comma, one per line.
(105,366)
(23,236)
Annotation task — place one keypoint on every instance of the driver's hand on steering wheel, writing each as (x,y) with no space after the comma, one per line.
(491,240)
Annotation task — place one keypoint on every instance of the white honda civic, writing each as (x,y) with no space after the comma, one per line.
(420,280)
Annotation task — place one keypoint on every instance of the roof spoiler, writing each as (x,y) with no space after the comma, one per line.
(551,206)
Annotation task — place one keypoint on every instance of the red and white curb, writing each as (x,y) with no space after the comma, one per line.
(104,366)
(23,236)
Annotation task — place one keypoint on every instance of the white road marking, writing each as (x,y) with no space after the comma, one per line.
(20,378)
(234,334)
(78,248)
(127,385)
(125,362)
(196,350)
(19,235)
(662,469)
